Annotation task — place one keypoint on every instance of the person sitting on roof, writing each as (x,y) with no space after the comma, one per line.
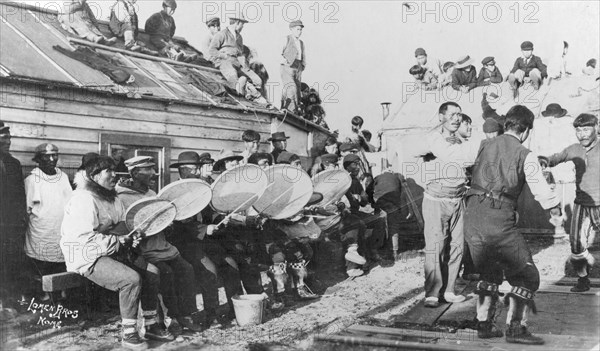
(489,73)
(445,78)
(464,76)
(79,19)
(161,29)
(226,51)
(423,77)
(123,23)
(528,66)
(214,26)
(431,64)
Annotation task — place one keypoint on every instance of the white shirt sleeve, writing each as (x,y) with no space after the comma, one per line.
(537,183)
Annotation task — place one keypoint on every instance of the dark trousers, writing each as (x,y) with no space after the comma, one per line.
(177,286)
(374,239)
(135,282)
(207,258)
(496,245)
(244,248)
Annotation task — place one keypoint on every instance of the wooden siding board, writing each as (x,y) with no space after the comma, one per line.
(201,118)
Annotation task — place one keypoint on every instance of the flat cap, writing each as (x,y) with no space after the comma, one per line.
(297,23)
(348,146)
(487,60)
(348,159)
(419,52)
(214,21)
(139,162)
(46,149)
(329,159)
(526,45)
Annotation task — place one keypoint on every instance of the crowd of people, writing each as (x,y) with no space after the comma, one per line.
(52,220)
(48,221)
(461,75)
(222,48)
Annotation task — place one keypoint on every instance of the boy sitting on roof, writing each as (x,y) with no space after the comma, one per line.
(80,20)
(124,23)
(445,78)
(464,77)
(489,73)
(226,51)
(161,29)
(423,77)
(528,66)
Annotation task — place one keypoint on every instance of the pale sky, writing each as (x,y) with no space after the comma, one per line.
(359,52)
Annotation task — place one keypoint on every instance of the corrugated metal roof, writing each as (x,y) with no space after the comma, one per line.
(28,38)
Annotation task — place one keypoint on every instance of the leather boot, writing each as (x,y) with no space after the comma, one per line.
(486,310)
(516,332)
(583,284)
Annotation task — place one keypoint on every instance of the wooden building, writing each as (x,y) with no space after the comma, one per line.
(170,107)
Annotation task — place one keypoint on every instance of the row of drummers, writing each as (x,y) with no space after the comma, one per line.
(252,218)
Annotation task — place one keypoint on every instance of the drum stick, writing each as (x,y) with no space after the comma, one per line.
(242,205)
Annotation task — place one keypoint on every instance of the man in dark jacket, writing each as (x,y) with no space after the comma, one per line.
(12,217)
(489,73)
(161,29)
(530,66)
(497,247)
(464,76)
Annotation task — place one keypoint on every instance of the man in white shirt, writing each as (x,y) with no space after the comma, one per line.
(47,191)
(443,205)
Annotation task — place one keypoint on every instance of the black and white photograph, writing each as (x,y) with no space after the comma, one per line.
(299,175)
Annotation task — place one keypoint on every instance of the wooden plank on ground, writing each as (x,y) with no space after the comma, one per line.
(62,281)
(462,340)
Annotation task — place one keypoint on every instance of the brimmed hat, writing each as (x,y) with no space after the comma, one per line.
(463,62)
(419,52)
(45,149)
(491,125)
(348,159)
(348,146)
(487,60)
(214,21)
(329,159)
(526,45)
(139,162)
(554,110)
(3,128)
(225,156)
(287,157)
(278,136)
(239,17)
(296,24)
(191,158)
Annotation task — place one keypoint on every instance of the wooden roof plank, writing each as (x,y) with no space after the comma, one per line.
(43,40)
(37,65)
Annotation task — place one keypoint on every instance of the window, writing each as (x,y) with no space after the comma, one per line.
(124,146)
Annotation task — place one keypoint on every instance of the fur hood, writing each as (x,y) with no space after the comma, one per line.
(81,181)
